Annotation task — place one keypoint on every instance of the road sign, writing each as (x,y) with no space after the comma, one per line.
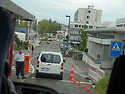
(98,61)
(115,48)
(98,56)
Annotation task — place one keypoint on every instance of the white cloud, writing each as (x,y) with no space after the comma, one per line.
(57,9)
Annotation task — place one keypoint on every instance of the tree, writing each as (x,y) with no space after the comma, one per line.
(17,40)
(34,25)
(19,43)
(84,37)
(48,26)
(21,23)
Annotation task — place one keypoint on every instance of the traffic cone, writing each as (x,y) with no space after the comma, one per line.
(72,72)
(74,81)
(72,78)
(79,85)
(84,86)
(88,88)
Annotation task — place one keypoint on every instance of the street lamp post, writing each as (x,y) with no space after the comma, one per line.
(68,28)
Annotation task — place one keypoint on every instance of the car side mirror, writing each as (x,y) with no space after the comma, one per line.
(64,61)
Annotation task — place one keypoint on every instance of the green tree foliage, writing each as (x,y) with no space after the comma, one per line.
(21,23)
(19,44)
(17,40)
(48,26)
(34,25)
(84,37)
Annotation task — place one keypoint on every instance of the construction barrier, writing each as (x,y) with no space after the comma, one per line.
(95,73)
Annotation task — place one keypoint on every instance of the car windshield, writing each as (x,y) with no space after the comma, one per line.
(89,34)
(50,58)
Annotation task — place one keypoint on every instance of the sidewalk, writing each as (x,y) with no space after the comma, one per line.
(13,76)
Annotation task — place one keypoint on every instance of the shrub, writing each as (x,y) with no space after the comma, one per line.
(101,86)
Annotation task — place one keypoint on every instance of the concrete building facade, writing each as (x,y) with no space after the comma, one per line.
(120,22)
(107,24)
(99,43)
(84,16)
(75,36)
(88,15)
(24,31)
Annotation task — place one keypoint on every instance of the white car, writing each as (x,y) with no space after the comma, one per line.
(50,63)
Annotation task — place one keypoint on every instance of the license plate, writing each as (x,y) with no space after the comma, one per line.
(45,69)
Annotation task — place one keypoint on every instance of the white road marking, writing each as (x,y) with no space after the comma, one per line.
(32,65)
(76,73)
(26,77)
(67,81)
(32,68)
(34,57)
(76,82)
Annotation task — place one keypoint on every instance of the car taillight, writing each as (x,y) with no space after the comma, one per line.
(37,64)
(62,66)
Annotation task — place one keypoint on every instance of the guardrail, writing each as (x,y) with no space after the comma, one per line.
(95,73)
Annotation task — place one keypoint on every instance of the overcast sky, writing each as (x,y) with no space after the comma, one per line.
(57,9)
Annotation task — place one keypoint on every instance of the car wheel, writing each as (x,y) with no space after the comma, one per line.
(60,77)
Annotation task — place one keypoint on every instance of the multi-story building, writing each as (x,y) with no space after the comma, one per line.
(120,22)
(81,26)
(99,41)
(107,24)
(88,16)
(84,16)
(75,36)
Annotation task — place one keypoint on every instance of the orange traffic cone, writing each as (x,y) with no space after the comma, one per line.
(88,89)
(84,86)
(72,78)
(79,85)
(72,72)
(74,81)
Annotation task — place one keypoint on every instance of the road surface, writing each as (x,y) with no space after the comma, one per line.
(62,86)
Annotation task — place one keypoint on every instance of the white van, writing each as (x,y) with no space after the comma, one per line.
(50,63)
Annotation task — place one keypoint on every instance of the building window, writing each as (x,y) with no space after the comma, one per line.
(88,11)
(79,25)
(90,27)
(106,36)
(88,17)
(87,22)
(82,26)
(76,25)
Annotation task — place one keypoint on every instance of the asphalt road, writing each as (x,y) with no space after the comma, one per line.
(62,86)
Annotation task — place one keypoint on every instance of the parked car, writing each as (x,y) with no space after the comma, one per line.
(50,63)
(47,42)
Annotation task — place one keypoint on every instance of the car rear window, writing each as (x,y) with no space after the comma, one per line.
(50,58)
